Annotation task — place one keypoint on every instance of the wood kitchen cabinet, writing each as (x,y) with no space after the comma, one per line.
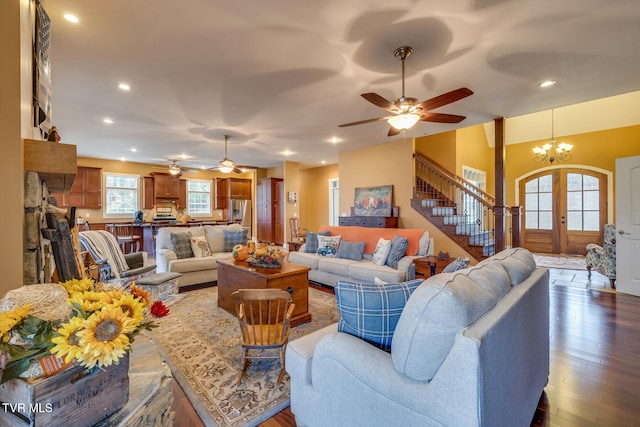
(165,186)
(86,191)
(182,200)
(221,193)
(270,210)
(148,197)
(239,189)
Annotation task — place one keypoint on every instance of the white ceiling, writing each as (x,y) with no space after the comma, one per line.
(280,75)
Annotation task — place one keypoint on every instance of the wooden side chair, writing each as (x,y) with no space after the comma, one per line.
(128,241)
(264,316)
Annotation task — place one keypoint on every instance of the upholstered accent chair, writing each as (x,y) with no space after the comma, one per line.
(603,258)
(125,268)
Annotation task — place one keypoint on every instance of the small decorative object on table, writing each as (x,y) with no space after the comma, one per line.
(240,252)
(268,257)
(52,351)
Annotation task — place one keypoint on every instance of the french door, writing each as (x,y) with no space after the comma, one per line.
(564,210)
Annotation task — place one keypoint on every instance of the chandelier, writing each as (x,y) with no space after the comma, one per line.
(550,152)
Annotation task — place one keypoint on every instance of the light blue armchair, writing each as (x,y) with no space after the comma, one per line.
(603,258)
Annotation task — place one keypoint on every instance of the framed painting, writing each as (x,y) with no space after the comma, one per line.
(373,201)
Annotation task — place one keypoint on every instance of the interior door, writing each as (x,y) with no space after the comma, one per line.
(564,210)
(628,225)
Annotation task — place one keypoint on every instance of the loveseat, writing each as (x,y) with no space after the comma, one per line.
(197,259)
(330,269)
(470,348)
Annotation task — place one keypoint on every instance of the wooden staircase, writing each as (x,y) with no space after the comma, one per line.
(462,211)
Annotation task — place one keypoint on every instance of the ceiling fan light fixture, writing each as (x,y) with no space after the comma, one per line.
(226,165)
(174,168)
(403,121)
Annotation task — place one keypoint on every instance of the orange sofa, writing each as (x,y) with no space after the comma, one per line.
(329,270)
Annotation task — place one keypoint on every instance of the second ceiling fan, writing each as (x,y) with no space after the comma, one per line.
(406,112)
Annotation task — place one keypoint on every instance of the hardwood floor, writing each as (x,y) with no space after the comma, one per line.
(595,360)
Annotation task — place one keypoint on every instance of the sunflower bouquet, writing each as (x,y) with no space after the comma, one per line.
(98,332)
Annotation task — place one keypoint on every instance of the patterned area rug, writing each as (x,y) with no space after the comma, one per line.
(562,262)
(202,345)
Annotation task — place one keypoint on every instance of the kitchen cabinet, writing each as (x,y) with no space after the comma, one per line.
(148,197)
(221,193)
(182,200)
(270,210)
(165,186)
(239,189)
(86,191)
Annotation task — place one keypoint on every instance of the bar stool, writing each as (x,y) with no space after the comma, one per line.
(125,236)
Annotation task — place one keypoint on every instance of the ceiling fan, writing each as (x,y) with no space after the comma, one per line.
(227,165)
(406,112)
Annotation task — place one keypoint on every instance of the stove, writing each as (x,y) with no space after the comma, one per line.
(160,216)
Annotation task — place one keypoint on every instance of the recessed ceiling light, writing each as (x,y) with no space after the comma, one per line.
(123,159)
(108,121)
(323,162)
(71,18)
(134,150)
(334,140)
(124,86)
(287,152)
(547,83)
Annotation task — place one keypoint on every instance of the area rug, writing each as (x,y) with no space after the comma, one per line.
(201,343)
(562,262)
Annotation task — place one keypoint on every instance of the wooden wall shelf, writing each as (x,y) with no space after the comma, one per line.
(55,163)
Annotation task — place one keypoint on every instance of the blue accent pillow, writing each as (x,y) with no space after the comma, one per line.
(371,312)
(398,249)
(234,237)
(457,264)
(311,244)
(181,244)
(351,250)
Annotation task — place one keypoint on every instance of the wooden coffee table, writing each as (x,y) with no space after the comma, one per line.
(234,275)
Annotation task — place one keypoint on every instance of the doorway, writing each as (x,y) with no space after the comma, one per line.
(564,210)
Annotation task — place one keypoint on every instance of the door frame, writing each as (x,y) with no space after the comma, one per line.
(609,174)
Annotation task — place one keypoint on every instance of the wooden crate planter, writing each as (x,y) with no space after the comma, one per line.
(67,398)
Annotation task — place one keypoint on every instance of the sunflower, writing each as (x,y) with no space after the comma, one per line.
(90,301)
(105,337)
(141,293)
(132,306)
(78,285)
(68,342)
(9,319)
(112,295)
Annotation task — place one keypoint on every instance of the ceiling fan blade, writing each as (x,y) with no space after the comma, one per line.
(379,101)
(361,122)
(441,118)
(445,98)
(393,131)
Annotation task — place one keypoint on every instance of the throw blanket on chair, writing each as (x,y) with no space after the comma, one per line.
(104,245)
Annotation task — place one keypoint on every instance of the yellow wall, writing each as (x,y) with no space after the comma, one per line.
(391,163)
(314,196)
(596,149)
(472,150)
(440,148)
(12,214)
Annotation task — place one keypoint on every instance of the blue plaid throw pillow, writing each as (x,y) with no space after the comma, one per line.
(351,250)
(311,244)
(398,249)
(371,312)
(234,237)
(181,243)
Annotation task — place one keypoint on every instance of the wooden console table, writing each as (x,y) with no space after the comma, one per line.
(371,221)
